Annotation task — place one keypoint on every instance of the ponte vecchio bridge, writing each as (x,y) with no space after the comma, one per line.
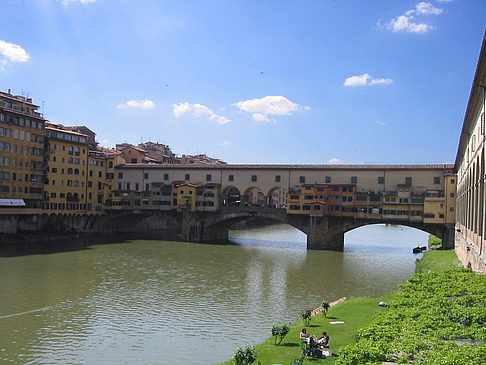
(323,201)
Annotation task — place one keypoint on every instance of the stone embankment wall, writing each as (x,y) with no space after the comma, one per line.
(81,223)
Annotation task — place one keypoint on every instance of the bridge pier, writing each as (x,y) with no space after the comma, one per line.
(449,237)
(324,234)
(197,229)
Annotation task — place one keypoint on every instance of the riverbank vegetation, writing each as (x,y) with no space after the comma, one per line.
(437,317)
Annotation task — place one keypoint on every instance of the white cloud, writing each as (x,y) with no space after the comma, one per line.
(142,104)
(225,143)
(335,161)
(380,122)
(66,2)
(180,109)
(357,80)
(381,81)
(427,8)
(198,110)
(267,106)
(11,52)
(407,23)
(365,79)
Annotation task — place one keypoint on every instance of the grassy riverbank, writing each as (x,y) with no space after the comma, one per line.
(355,313)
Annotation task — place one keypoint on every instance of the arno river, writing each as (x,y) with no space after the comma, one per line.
(161,302)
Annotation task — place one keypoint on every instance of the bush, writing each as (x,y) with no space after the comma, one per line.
(245,356)
(325,308)
(279,331)
(306,316)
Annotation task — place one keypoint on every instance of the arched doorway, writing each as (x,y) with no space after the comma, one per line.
(253,197)
(277,198)
(231,197)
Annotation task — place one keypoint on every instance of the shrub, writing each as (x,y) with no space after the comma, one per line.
(325,308)
(279,331)
(245,356)
(306,316)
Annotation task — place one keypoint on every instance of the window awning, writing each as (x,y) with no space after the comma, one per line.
(12,203)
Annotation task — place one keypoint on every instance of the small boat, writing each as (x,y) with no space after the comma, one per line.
(419,249)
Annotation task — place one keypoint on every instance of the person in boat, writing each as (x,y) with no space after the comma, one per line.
(323,340)
(304,335)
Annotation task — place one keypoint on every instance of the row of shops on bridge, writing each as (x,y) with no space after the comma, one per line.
(404,203)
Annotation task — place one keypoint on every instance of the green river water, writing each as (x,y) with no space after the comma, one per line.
(164,302)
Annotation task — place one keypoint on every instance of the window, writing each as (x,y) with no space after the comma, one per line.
(231,177)
(253,178)
(452,195)
(120,175)
(187,177)
(110,164)
(302,179)
(451,209)
(277,178)
(100,174)
(354,179)
(136,186)
(453,181)
(328,180)
(436,180)
(381,179)
(208,177)
(408,181)
(166,176)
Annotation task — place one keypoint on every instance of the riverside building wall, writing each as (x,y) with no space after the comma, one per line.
(471,174)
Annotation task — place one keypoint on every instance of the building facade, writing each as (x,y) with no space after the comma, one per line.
(471,174)
(21,152)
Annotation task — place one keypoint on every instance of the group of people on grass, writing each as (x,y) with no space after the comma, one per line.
(311,339)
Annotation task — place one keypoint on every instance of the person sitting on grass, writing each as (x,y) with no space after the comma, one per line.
(324,340)
(304,335)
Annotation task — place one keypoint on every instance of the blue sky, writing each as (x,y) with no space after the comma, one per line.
(250,81)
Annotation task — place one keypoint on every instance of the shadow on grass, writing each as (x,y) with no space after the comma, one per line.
(290,344)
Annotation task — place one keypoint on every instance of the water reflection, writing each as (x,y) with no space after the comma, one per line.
(140,301)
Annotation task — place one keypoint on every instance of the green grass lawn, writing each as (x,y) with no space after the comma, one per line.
(438,260)
(355,313)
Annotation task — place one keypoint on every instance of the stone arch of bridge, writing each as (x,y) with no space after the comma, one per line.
(276,197)
(253,195)
(231,196)
(438,230)
(233,215)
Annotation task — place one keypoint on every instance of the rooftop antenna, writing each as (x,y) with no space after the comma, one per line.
(43,102)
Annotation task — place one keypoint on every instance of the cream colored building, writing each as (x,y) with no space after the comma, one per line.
(409,185)
(471,172)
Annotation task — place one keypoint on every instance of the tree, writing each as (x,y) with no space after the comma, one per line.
(325,308)
(279,331)
(306,316)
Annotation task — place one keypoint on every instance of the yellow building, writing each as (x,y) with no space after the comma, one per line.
(186,196)
(67,159)
(21,152)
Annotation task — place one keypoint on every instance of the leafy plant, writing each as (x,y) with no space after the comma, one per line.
(306,316)
(325,308)
(435,318)
(279,331)
(245,356)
